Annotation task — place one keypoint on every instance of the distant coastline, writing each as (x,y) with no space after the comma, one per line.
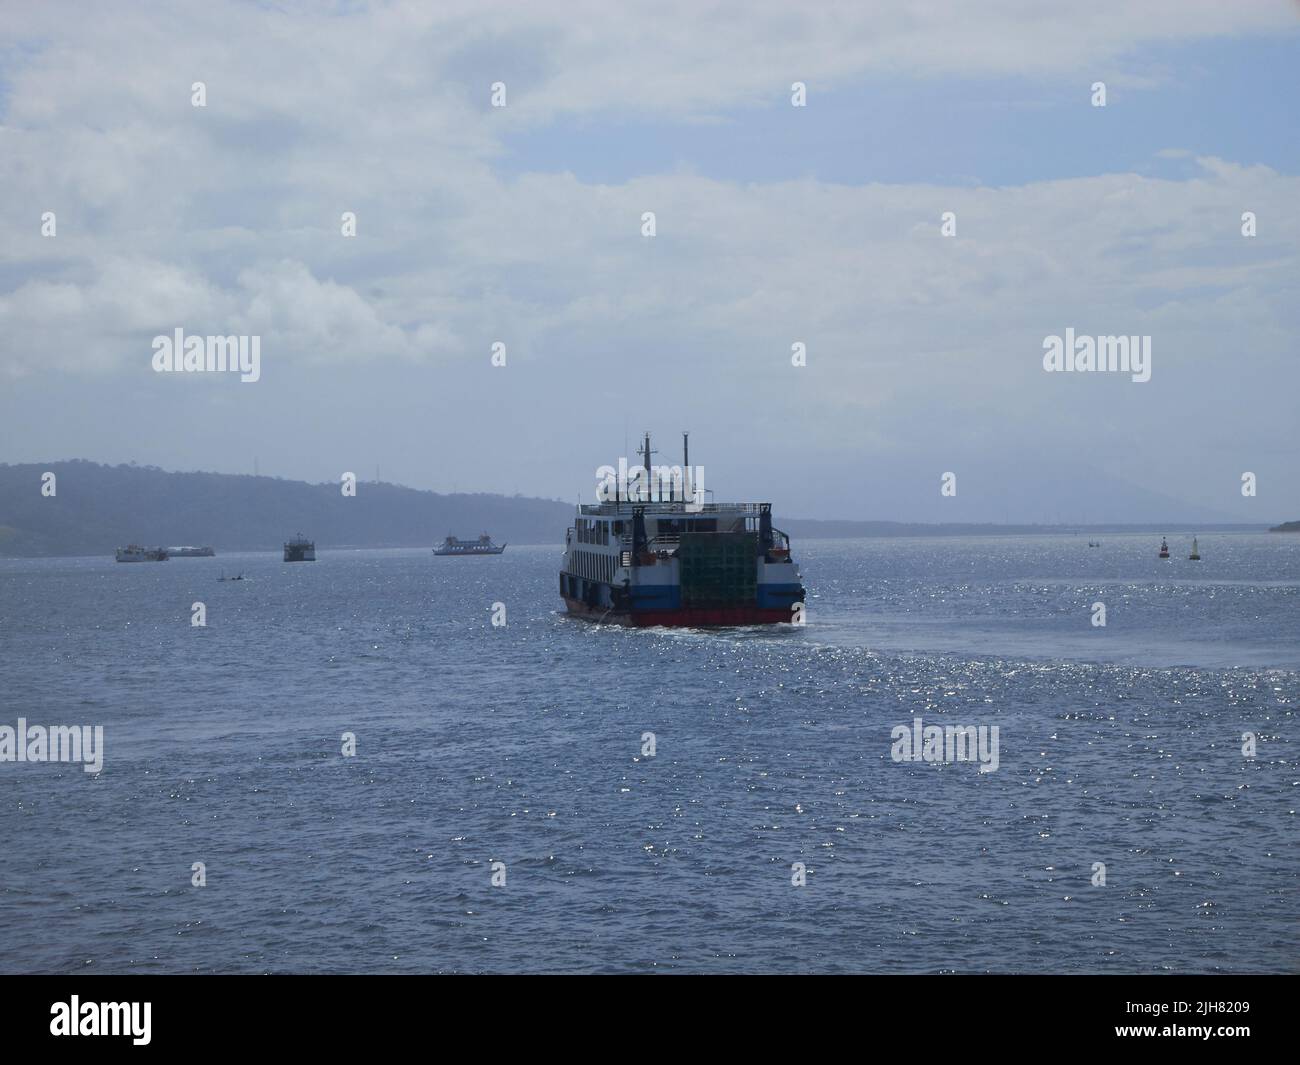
(816,529)
(98,508)
(1287,526)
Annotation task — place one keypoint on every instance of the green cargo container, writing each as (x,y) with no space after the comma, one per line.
(718,569)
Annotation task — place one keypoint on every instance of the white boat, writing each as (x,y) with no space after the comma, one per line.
(482,546)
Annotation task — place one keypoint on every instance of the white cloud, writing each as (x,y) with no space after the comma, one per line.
(226,219)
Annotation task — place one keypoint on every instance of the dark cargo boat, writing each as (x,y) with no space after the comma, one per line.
(300,549)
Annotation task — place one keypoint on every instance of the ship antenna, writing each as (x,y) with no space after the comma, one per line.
(686,464)
(646,452)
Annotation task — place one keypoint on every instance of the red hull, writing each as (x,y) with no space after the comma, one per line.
(690,618)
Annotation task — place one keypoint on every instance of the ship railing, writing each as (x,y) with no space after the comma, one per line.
(674,539)
(669,507)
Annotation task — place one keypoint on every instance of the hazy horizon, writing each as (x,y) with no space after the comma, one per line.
(776,225)
(1062,522)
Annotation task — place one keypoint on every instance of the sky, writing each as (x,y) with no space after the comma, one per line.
(774,225)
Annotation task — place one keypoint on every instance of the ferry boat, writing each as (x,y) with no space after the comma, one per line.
(640,561)
(482,546)
(190,552)
(300,549)
(136,553)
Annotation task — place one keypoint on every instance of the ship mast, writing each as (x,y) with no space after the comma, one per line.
(645,452)
(686,466)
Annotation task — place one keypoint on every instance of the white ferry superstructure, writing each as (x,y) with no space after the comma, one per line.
(679,561)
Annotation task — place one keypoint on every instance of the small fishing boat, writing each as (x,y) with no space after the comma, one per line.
(1164,548)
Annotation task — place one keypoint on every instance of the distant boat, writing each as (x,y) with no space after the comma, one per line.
(190,552)
(223,577)
(136,553)
(300,549)
(1094,543)
(1195,556)
(1164,548)
(482,546)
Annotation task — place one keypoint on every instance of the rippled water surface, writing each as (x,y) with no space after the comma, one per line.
(522,744)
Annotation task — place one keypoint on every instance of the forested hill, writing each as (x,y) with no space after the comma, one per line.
(97,508)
